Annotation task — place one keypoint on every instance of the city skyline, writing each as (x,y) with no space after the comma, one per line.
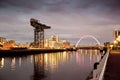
(70,19)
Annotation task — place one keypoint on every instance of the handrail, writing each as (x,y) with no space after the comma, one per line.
(104,67)
(98,72)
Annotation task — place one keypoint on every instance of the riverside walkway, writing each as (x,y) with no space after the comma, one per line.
(108,68)
(112,71)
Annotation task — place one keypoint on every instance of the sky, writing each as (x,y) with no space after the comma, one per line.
(69,19)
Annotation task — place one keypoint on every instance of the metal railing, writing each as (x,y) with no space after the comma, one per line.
(99,68)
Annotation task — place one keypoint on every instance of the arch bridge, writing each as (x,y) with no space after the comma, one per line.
(88,47)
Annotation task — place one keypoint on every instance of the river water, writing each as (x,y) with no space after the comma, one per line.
(49,66)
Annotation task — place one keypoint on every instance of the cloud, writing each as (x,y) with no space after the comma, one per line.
(104,5)
(68,18)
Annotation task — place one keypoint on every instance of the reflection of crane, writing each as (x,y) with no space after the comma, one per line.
(38,32)
(39,71)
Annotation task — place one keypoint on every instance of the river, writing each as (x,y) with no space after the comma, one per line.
(49,66)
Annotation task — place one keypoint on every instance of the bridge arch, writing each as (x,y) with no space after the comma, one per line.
(87,36)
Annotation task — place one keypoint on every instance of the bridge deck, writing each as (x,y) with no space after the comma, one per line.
(113,66)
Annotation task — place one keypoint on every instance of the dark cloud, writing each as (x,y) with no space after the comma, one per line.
(112,6)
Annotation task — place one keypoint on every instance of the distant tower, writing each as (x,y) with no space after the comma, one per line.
(38,32)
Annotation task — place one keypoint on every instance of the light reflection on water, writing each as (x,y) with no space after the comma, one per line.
(91,55)
(2,62)
(49,66)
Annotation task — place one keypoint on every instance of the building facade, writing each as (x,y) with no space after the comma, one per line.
(116,33)
(2,40)
(55,42)
(9,44)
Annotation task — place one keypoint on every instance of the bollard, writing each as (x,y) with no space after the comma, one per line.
(95,65)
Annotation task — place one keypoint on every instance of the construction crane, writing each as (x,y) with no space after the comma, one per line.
(38,32)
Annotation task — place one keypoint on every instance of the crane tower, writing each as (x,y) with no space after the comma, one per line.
(38,32)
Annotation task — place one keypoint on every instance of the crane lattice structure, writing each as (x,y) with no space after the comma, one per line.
(38,32)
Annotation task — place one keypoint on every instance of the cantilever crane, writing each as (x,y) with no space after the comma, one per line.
(38,32)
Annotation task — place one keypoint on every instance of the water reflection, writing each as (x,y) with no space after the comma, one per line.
(13,63)
(49,66)
(45,63)
(38,67)
(20,61)
(91,55)
(2,62)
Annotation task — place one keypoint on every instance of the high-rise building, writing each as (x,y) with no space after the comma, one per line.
(116,33)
